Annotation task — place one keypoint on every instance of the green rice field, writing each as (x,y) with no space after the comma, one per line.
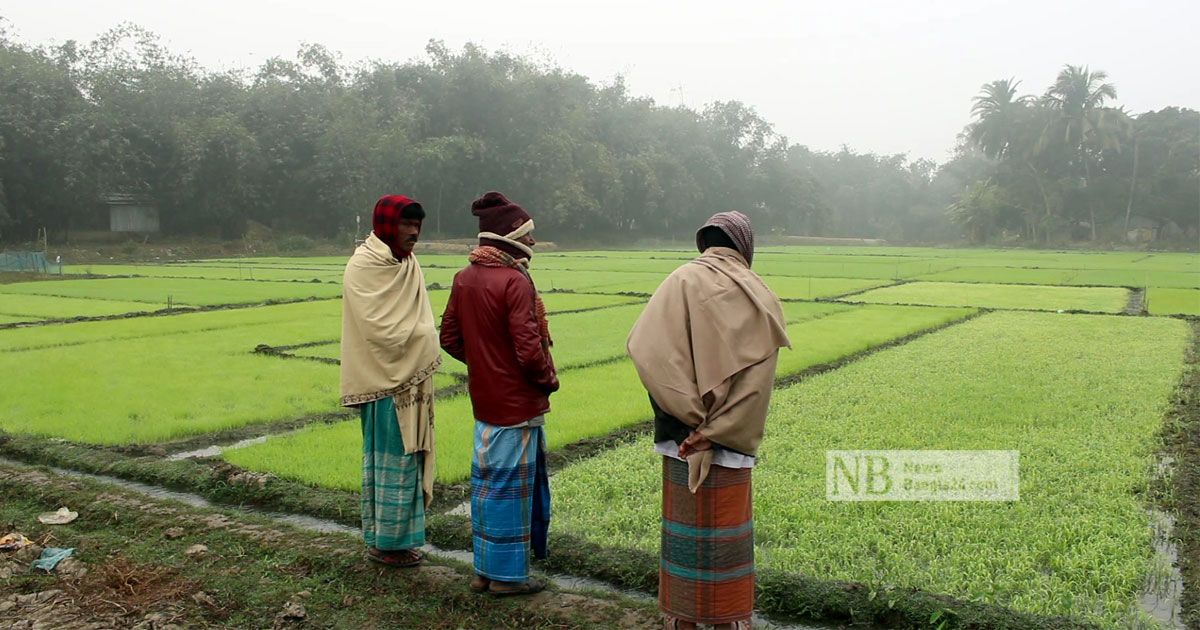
(1166,301)
(892,348)
(1007,296)
(1086,439)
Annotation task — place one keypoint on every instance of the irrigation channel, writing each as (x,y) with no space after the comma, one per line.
(563,582)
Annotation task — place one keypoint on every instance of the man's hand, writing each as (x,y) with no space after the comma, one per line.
(694,444)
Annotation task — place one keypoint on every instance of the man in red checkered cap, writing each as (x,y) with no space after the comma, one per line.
(389,355)
(496,324)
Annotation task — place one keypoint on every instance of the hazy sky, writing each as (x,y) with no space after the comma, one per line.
(892,77)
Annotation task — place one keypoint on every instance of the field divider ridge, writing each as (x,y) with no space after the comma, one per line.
(1182,442)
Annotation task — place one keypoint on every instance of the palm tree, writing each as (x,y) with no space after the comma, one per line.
(1084,124)
(997,112)
(1007,127)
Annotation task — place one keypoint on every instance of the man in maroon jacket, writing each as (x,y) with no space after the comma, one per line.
(496,324)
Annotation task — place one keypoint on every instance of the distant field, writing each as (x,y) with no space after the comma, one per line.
(182,291)
(24,307)
(1012,296)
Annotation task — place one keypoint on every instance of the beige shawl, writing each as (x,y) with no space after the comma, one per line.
(390,345)
(705,348)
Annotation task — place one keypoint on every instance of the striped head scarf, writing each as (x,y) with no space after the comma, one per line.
(737,227)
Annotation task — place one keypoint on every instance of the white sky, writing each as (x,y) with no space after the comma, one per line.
(890,77)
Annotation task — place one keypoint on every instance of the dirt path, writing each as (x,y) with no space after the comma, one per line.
(150,564)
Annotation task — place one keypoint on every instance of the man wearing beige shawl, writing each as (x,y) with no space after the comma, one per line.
(389,355)
(705,348)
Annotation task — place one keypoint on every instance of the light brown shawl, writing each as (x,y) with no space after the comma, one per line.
(705,348)
(390,345)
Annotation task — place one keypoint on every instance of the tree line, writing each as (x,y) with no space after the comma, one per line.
(1069,159)
(304,145)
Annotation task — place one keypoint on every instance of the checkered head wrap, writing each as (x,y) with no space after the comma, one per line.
(737,227)
(389,210)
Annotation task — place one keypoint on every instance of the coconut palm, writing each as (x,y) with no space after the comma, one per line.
(1007,127)
(1083,123)
(998,112)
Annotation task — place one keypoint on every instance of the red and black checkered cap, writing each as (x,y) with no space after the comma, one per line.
(389,210)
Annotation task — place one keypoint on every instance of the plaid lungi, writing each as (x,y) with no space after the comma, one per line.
(393,504)
(510,500)
(706,571)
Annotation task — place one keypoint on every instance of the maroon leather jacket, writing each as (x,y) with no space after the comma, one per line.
(490,323)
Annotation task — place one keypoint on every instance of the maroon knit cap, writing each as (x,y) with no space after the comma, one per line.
(385,223)
(497,214)
(736,226)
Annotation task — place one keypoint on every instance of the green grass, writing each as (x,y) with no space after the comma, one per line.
(32,306)
(1173,301)
(189,291)
(1081,397)
(13,319)
(1012,296)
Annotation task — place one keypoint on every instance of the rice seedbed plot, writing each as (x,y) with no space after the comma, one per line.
(1176,261)
(580,339)
(1015,296)
(828,339)
(794,288)
(614,282)
(316,318)
(184,291)
(1002,275)
(1139,278)
(795,312)
(331,262)
(1173,301)
(593,401)
(844,267)
(596,281)
(31,306)
(674,253)
(279,261)
(13,319)
(1082,398)
(306,274)
(152,389)
(333,350)
(661,266)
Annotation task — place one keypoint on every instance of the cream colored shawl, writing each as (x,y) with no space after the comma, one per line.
(390,344)
(705,348)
